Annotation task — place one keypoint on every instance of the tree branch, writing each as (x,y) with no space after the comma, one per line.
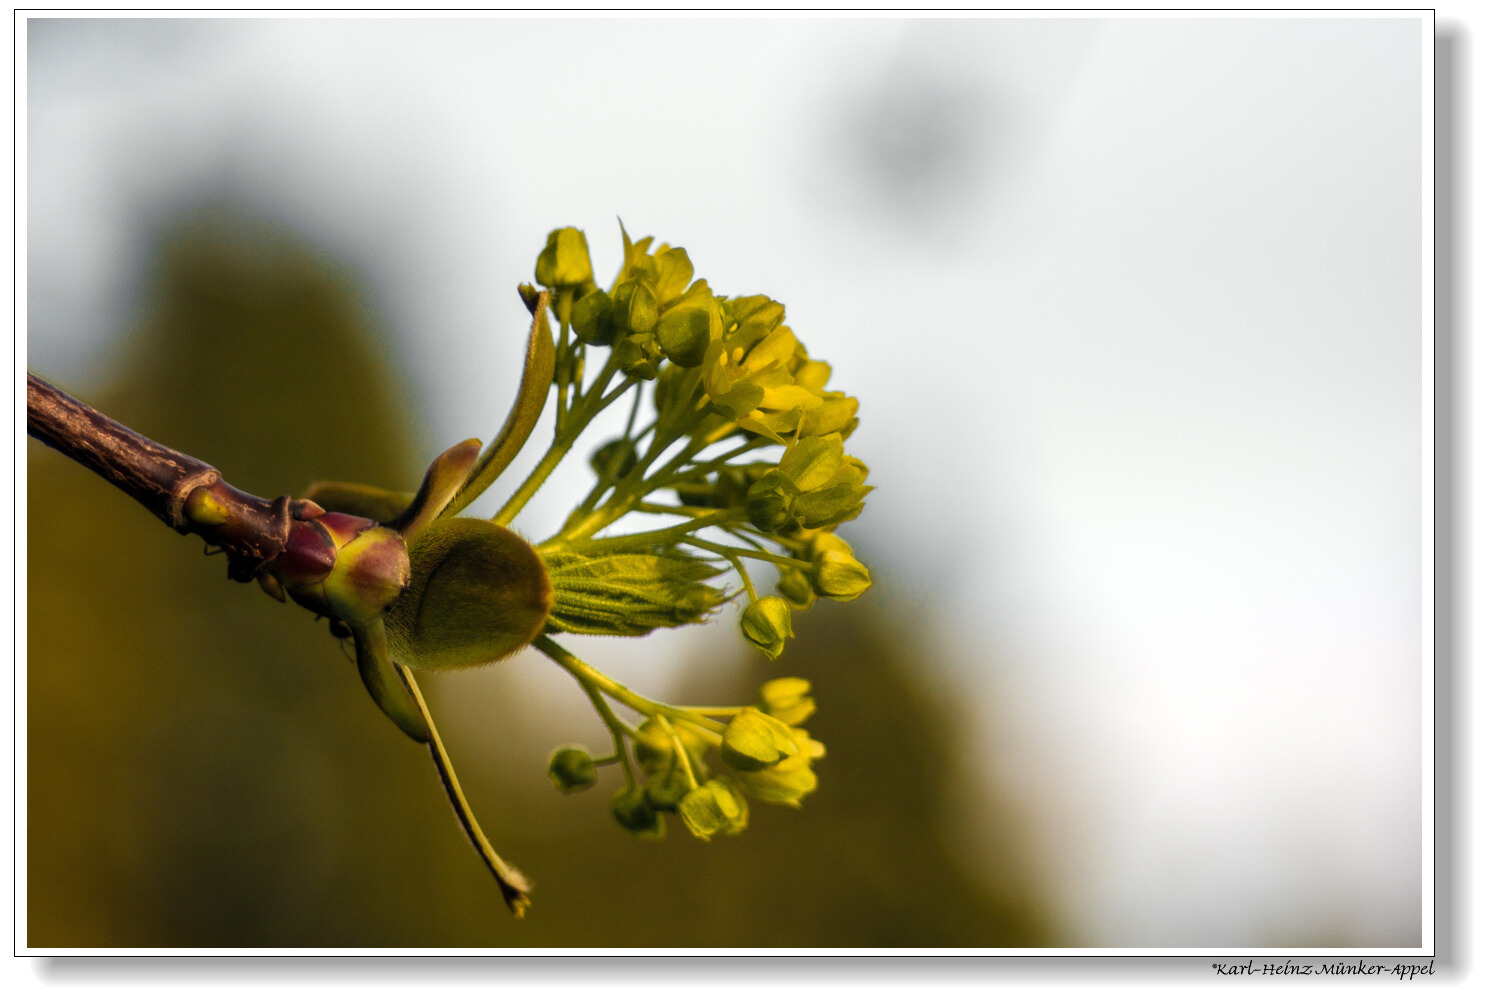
(185,493)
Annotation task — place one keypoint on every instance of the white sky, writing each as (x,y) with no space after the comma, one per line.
(1133,310)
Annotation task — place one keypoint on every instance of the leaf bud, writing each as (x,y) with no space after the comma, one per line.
(767,624)
(571,769)
(714,808)
(632,812)
(565,260)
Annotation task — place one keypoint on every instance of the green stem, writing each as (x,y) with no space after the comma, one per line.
(680,751)
(514,885)
(661,536)
(593,402)
(592,677)
(730,552)
(619,729)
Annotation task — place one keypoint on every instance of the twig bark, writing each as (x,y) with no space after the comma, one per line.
(184,492)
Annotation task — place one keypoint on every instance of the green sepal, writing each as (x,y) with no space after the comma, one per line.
(533,394)
(384,682)
(478,593)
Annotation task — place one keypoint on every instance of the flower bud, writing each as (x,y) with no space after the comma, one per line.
(565,260)
(683,334)
(811,462)
(754,741)
(714,808)
(839,575)
(614,460)
(654,747)
(796,589)
(571,769)
(786,699)
(836,415)
(752,318)
(592,320)
(769,501)
(665,791)
(632,812)
(830,505)
(638,355)
(674,272)
(767,624)
(634,307)
(785,783)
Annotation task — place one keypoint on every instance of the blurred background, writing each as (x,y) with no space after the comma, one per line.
(1133,308)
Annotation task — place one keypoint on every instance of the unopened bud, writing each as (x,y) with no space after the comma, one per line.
(767,624)
(634,307)
(614,460)
(796,589)
(839,575)
(786,699)
(632,812)
(592,320)
(571,769)
(565,260)
(769,501)
(665,791)
(714,808)
(754,741)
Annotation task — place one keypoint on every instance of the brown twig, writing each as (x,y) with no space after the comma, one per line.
(185,493)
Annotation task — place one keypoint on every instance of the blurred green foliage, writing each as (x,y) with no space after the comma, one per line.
(204,768)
